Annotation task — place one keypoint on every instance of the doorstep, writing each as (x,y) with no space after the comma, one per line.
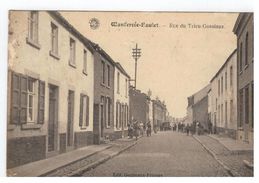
(42,167)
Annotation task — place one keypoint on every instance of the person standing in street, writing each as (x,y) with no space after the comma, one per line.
(136,129)
(141,128)
(187,129)
(130,131)
(148,129)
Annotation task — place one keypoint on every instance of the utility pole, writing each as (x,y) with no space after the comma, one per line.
(136,54)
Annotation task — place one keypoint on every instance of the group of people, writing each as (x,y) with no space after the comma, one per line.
(194,128)
(138,128)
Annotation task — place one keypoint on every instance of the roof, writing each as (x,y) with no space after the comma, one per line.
(229,57)
(199,95)
(118,65)
(89,44)
(240,19)
(104,54)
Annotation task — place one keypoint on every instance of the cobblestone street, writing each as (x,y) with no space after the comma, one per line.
(163,154)
(233,161)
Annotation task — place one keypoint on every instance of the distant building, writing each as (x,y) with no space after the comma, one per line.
(244,30)
(197,109)
(121,98)
(159,113)
(150,114)
(223,98)
(50,87)
(139,105)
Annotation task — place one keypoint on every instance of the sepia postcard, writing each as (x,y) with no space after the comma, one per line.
(130,94)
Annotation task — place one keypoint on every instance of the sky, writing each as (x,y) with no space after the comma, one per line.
(178,57)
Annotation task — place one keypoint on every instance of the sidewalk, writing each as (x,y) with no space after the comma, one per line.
(73,162)
(233,156)
(233,146)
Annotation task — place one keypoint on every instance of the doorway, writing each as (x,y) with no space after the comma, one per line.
(70,118)
(53,118)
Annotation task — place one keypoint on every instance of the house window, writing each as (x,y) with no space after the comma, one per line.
(117,115)
(28,96)
(241,107)
(241,57)
(31,100)
(226,114)
(108,75)
(121,116)
(246,50)
(219,87)
(219,120)
(118,82)
(222,84)
(72,58)
(108,112)
(231,111)
(33,27)
(126,88)
(127,115)
(84,111)
(226,81)
(247,104)
(221,114)
(85,62)
(231,75)
(54,39)
(103,72)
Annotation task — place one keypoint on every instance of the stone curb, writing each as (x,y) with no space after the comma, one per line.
(230,172)
(89,155)
(98,162)
(236,152)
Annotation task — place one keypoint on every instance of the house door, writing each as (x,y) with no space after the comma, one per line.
(53,113)
(70,118)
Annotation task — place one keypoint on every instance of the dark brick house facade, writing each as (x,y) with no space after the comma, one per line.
(103,96)
(159,113)
(139,105)
(244,30)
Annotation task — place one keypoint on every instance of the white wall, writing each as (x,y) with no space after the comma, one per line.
(230,93)
(23,56)
(123,95)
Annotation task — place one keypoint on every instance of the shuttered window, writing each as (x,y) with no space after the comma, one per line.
(108,112)
(23,99)
(41,102)
(28,96)
(15,99)
(117,115)
(84,111)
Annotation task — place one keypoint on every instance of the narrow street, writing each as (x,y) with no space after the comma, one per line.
(163,154)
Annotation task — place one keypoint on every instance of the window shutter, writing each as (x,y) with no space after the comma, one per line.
(15,114)
(120,115)
(41,102)
(81,111)
(87,110)
(23,99)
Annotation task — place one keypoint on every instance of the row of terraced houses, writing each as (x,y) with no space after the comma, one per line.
(227,102)
(65,91)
